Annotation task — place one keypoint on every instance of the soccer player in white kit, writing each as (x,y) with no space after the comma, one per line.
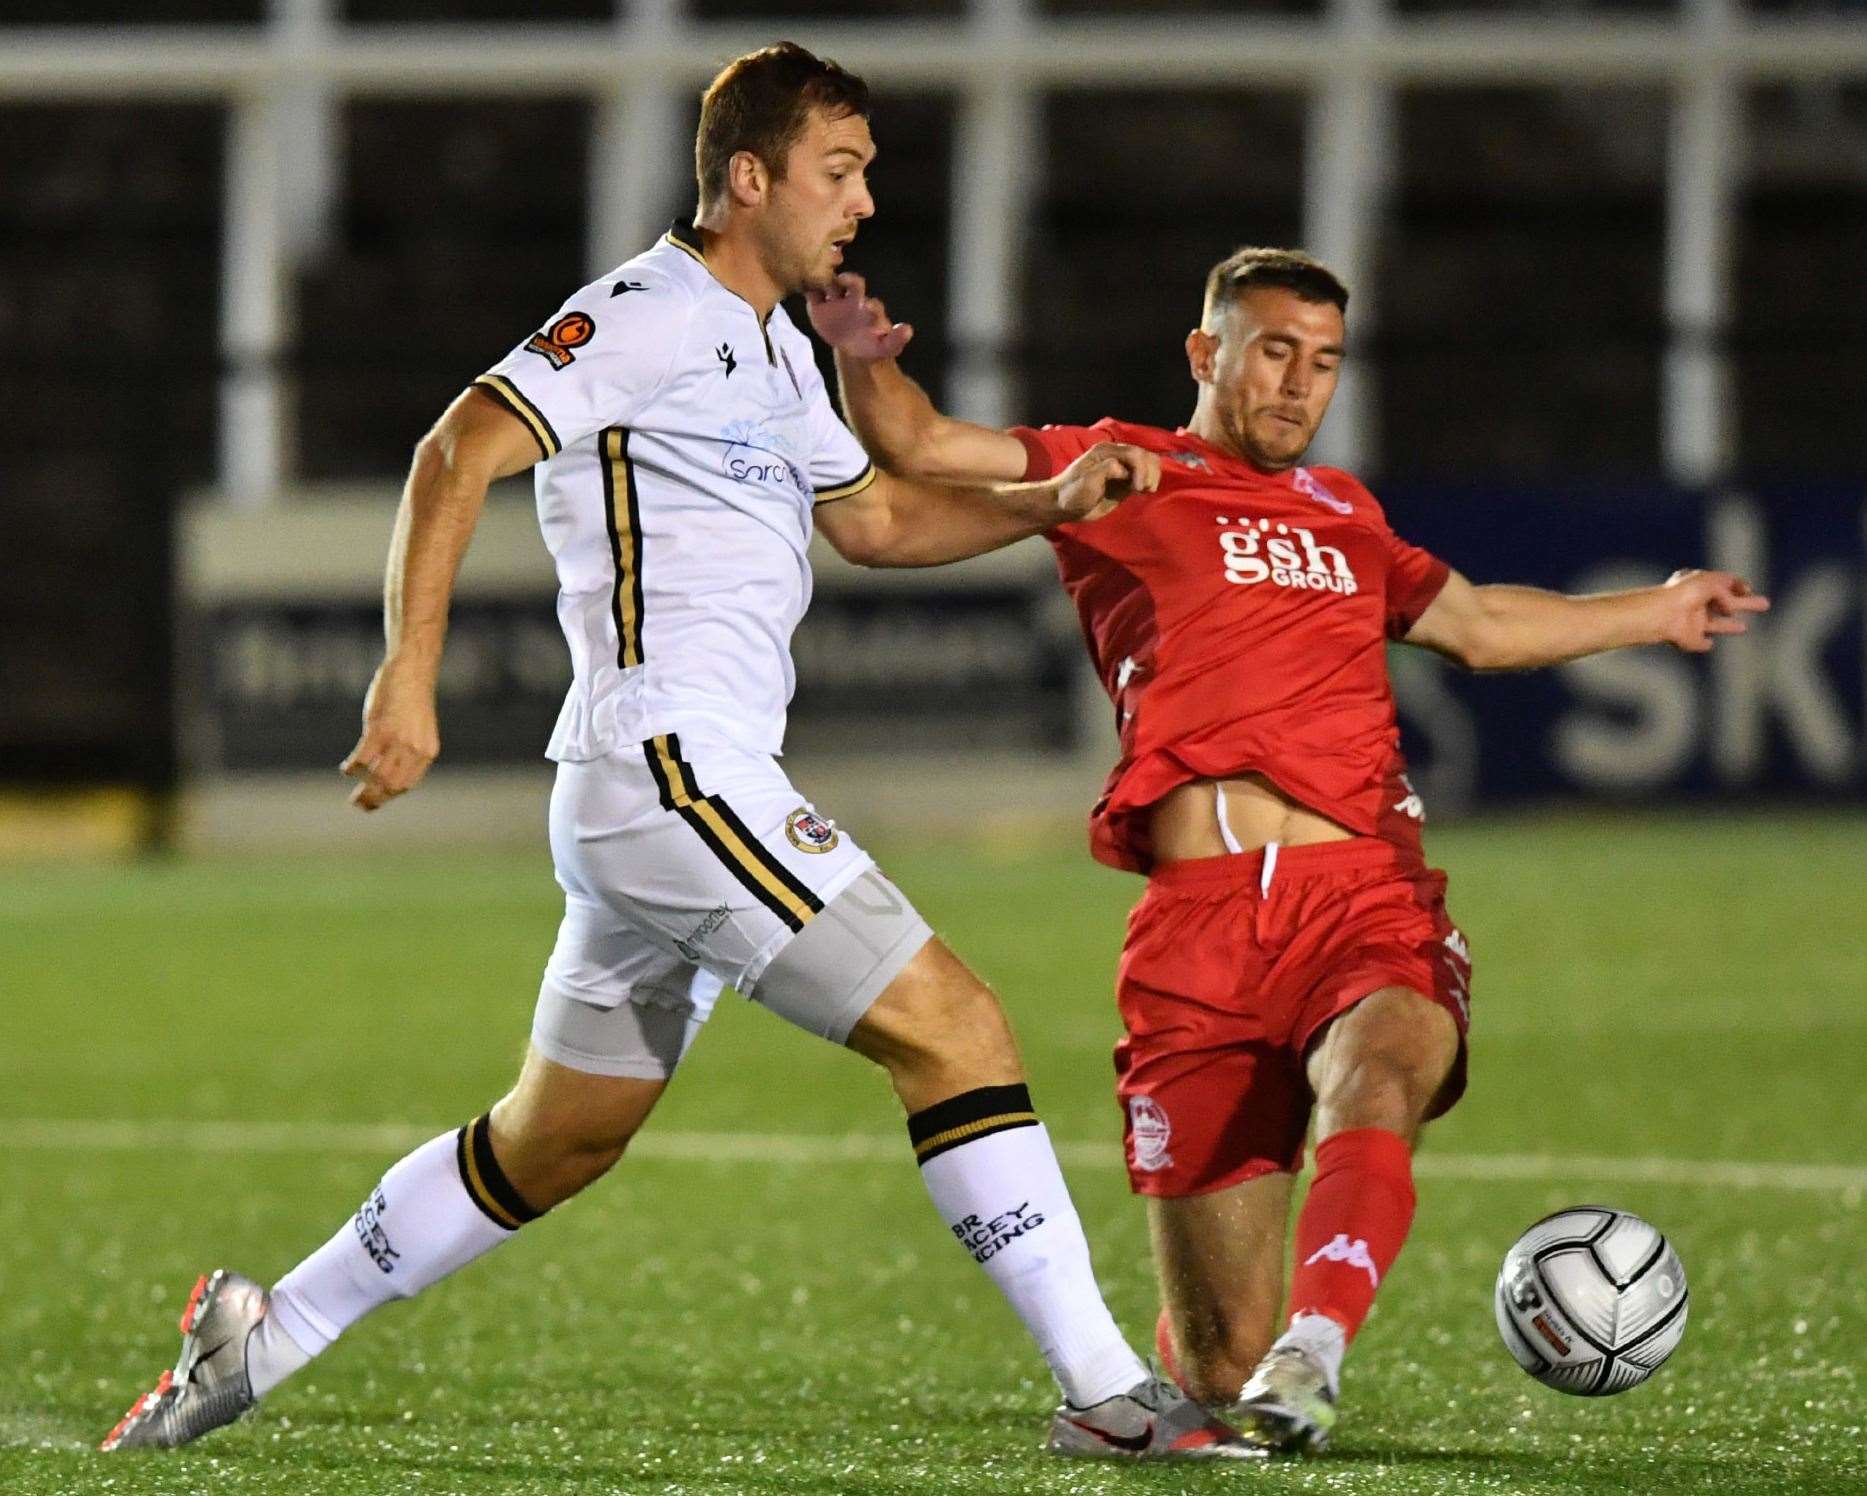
(684,446)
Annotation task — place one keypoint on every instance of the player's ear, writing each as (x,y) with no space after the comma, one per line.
(747,179)
(1202,352)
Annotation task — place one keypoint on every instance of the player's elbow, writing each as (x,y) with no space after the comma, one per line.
(1476,650)
(906,456)
(922,450)
(1479,636)
(442,457)
(862,539)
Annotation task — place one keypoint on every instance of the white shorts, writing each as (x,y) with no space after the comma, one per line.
(684,873)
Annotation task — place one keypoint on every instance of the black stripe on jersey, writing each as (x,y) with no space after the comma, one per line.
(741,867)
(728,837)
(847,489)
(798,889)
(622,515)
(513,398)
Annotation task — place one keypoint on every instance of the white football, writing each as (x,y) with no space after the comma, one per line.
(1591,1301)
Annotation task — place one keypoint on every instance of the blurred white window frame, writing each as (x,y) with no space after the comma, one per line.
(282,82)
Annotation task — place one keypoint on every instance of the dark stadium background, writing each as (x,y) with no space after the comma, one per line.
(227,1001)
(1513,332)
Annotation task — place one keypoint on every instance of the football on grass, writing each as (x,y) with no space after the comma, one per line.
(1591,1301)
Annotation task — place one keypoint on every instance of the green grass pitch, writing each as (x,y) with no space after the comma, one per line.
(1669,989)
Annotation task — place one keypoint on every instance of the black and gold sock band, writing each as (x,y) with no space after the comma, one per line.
(486,1183)
(967,1116)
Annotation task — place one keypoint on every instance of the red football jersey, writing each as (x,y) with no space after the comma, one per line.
(1239,621)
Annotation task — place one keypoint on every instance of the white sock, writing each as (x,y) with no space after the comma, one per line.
(272,1355)
(434,1212)
(997,1186)
(1323,1339)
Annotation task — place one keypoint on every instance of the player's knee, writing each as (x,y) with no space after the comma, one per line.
(1385,1064)
(1379,1090)
(549,1156)
(559,1130)
(938,1026)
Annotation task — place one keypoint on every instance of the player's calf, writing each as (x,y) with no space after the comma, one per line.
(559,1130)
(987,1162)
(1210,1358)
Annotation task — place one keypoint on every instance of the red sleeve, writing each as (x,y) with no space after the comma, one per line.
(1414,578)
(1048,450)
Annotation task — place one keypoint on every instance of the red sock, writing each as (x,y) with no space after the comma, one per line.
(1163,1346)
(1353,1224)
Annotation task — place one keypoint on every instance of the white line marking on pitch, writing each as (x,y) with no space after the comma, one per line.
(804,1148)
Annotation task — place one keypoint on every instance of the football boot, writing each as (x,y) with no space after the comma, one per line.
(208,1386)
(1288,1406)
(1152,1420)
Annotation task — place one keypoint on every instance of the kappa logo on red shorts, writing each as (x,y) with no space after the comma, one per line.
(554,344)
(810,832)
(1149,1132)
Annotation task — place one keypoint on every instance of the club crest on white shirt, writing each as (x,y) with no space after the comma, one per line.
(810,832)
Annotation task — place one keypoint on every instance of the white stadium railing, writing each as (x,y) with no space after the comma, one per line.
(282,79)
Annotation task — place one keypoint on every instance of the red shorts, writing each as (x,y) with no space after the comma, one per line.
(1224,983)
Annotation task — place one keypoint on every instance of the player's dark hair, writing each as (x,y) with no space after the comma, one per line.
(1280,269)
(760,102)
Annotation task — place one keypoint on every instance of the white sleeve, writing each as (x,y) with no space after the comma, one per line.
(838,465)
(595,363)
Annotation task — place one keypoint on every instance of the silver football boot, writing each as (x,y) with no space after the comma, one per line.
(209,1385)
(1288,1406)
(1152,1420)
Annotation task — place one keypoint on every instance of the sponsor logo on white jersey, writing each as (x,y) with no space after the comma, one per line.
(757,454)
(1353,1253)
(1149,1131)
(1258,550)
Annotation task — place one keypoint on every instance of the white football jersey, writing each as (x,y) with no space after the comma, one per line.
(683,446)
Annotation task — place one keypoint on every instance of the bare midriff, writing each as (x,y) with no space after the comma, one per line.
(1185,822)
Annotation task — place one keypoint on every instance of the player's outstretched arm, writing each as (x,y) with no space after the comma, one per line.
(891,415)
(474,443)
(1520,628)
(899,521)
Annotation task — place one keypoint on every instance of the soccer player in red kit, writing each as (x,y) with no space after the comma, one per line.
(1291,963)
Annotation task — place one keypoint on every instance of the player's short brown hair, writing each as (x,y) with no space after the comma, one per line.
(1282,269)
(759,103)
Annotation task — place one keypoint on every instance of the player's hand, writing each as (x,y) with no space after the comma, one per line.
(1700,605)
(1102,477)
(854,322)
(401,737)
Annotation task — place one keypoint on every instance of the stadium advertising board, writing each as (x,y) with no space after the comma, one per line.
(277,652)
(1780,711)
(280,641)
